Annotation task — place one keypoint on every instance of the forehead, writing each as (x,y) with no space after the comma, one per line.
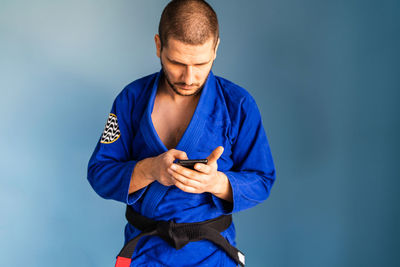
(189,54)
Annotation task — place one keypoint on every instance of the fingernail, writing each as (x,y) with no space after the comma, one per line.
(173,166)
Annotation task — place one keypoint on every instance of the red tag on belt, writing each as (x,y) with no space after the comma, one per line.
(123,262)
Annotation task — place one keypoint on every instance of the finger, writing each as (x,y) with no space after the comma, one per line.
(178,154)
(215,155)
(188,173)
(206,169)
(186,188)
(184,180)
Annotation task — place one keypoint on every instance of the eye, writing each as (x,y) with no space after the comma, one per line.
(175,63)
(201,65)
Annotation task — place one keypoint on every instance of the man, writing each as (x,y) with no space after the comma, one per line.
(183,112)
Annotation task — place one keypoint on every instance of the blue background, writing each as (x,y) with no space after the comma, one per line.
(326,78)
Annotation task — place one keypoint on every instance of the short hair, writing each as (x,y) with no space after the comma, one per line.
(189,21)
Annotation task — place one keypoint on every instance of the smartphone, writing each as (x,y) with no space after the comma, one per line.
(189,163)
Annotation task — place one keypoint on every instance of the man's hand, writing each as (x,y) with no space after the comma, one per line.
(207,178)
(155,169)
(162,162)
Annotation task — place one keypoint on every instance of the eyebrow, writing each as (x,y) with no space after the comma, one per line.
(180,63)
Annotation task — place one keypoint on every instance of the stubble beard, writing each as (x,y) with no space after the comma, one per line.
(173,87)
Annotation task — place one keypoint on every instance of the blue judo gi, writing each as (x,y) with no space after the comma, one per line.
(226,115)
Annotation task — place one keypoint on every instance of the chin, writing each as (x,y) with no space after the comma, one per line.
(187,92)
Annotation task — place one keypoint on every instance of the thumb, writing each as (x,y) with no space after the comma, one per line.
(178,154)
(215,155)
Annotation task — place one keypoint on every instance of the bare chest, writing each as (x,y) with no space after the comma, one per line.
(170,121)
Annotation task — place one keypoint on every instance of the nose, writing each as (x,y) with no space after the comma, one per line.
(189,78)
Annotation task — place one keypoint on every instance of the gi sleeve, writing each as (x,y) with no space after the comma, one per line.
(110,166)
(253,171)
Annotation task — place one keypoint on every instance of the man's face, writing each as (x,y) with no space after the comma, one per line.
(186,67)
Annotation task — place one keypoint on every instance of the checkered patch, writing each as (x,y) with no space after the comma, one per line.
(111,131)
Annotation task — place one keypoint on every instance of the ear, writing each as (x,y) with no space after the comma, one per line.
(157,40)
(216,48)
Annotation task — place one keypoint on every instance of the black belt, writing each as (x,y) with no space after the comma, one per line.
(178,235)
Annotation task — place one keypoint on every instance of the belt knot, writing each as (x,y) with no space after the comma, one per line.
(172,233)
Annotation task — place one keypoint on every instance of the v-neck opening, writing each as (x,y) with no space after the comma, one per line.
(191,127)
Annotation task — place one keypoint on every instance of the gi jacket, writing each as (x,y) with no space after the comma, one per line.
(226,115)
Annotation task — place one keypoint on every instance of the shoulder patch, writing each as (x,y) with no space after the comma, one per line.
(111,131)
